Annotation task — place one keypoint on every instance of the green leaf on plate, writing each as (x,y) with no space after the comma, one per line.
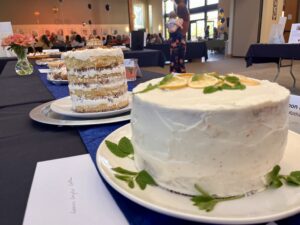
(124,171)
(123,177)
(143,179)
(206,203)
(273,178)
(115,149)
(125,145)
(294,178)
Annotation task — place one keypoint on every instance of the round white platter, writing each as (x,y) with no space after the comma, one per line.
(56,82)
(63,106)
(43,114)
(266,206)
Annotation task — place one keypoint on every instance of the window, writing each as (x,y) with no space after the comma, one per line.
(196,3)
(138,10)
(169,6)
(211,2)
(197,16)
(203,13)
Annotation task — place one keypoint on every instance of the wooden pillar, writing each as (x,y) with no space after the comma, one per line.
(130,15)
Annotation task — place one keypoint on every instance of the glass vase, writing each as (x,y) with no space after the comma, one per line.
(23,66)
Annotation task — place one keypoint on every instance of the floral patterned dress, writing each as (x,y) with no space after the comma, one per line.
(177,55)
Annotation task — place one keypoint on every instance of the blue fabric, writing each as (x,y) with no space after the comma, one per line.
(92,136)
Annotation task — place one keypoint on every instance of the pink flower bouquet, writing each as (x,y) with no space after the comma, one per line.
(18,43)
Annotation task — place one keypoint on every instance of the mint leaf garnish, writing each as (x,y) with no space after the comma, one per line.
(196,77)
(114,148)
(294,178)
(124,171)
(142,178)
(274,179)
(125,145)
(166,79)
(207,202)
(234,81)
(151,87)
(123,149)
(211,89)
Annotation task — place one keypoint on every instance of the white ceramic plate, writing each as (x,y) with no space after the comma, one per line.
(266,206)
(54,81)
(63,106)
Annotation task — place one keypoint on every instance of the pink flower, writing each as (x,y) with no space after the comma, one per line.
(18,39)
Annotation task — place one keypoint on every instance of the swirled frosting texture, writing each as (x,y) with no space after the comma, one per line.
(225,141)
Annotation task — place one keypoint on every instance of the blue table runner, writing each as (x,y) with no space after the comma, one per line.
(92,136)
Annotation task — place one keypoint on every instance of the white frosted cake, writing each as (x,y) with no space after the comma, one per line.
(226,141)
(97,79)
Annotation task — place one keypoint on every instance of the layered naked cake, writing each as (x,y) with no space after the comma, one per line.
(224,140)
(97,79)
(58,70)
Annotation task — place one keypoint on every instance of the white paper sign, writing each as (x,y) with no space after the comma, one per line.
(69,191)
(294,113)
(295,34)
(44,70)
(5,30)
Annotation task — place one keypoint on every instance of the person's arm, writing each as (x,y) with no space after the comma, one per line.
(179,23)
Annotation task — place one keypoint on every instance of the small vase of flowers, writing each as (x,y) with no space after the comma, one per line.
(19,43)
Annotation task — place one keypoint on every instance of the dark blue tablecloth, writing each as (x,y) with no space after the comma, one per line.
(146,57)
(92,136)
(271,53)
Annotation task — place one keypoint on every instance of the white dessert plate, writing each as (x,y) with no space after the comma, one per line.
(56,82)
(43,114)
(63,106)
(266,206)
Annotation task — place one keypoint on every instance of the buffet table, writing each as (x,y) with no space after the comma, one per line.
(146,57)
(23,143)
(274,53)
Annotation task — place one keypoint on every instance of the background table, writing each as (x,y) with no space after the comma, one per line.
(23,143)
(194,50)
(146,57)
(274,53)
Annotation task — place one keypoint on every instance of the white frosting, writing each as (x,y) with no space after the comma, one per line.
(225,141)
(109,101)
(93,72)
(113,82)
(88,53)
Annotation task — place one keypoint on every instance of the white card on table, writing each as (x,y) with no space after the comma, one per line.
(294,113)
(70,191)
(44,70)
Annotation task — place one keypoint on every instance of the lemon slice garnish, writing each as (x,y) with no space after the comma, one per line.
(185,75)
(175,83)
(203,81)
(246,80)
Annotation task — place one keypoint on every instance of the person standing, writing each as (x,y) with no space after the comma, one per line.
(178,45)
